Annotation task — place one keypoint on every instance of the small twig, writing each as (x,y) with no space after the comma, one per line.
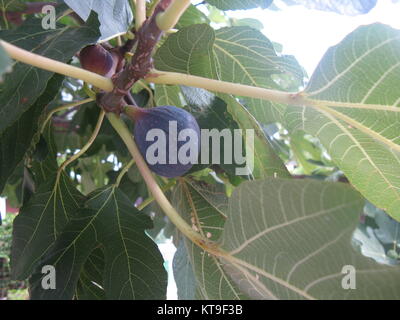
(140,13)
(128,46)
(149,200)
(130,100)
(169,18)
(123,172)
(64,107)
(57,66)
(86,146)
(153,5)
(119,41)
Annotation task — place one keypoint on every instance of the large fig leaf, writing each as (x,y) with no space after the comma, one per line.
(41,220)
(133,265)
(235,54)
(353,106)
(291,239)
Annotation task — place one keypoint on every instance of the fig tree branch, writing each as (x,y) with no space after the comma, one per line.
(157,77)
(142,62)
(57,66)
(141,66)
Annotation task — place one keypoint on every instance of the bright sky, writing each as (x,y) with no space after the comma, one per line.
(307,34)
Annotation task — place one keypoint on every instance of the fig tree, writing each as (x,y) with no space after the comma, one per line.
(168,139)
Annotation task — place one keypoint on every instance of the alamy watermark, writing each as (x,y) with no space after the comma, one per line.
(349,280)
(188,152)
(49,278)
(49,20)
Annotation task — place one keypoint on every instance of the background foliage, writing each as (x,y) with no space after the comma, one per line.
(324,192)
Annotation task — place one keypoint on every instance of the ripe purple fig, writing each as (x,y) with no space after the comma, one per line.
(168,139)
(97,59)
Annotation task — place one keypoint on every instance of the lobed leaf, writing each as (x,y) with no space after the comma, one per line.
(41,220)
(234,54)
(354,108)
(290,239)
(133,266)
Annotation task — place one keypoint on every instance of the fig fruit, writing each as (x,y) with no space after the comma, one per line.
(168,139)
(97,59)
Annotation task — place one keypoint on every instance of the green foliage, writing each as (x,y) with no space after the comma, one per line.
(60,44)
(358,120)
(313,239)
(285,231)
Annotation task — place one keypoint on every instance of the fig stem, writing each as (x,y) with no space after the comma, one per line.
(129,98)
(157,77)
(140,13)
(151,183)
(149,200)
(88,91)
(131,111)
(123,172)
(168,19)
(151,8)
(86,146)
(63,107)
(57,66)
(173,78)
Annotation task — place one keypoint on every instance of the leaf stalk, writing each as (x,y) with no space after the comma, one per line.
(57,66)
(173,78)
(169,18)
(154,188)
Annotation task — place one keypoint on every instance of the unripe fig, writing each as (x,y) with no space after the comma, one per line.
(97,59)
(174,154)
